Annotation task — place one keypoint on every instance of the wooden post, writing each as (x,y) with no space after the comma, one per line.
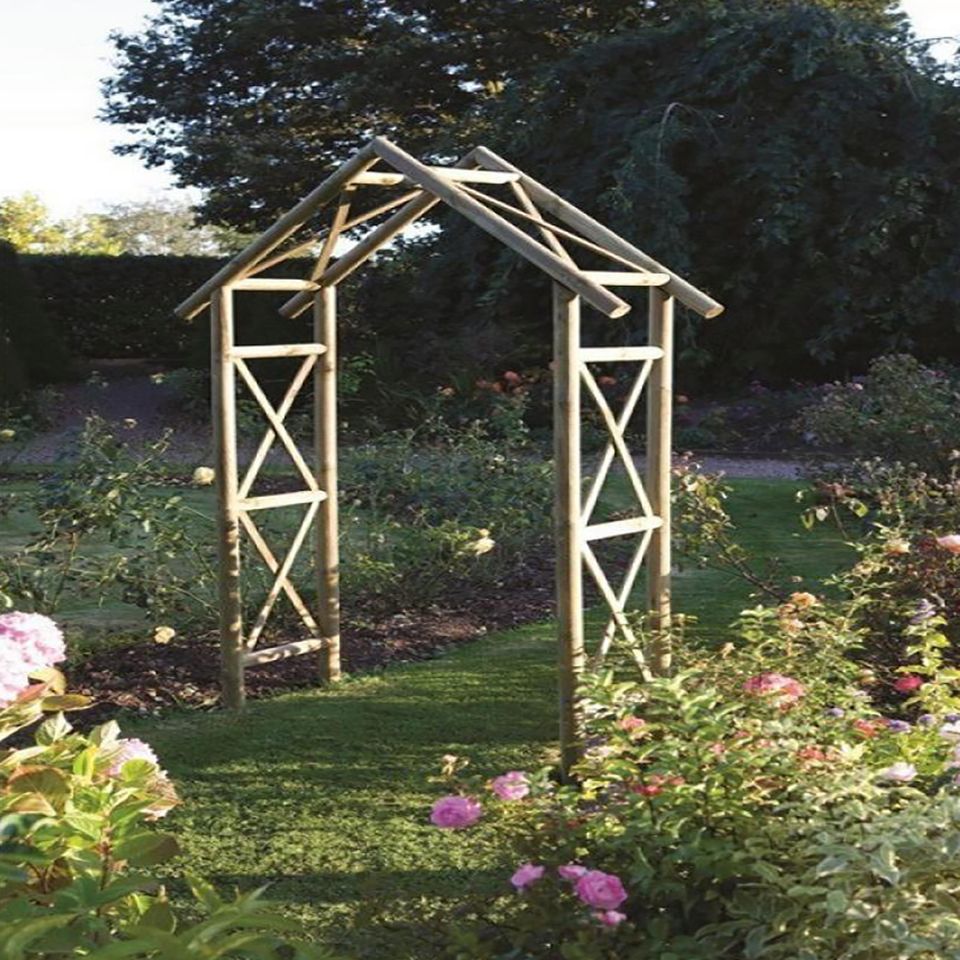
(228,513)
(325,438)
(569,575)
(659,448)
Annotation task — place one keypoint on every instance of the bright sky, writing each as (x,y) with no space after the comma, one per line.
(53,54)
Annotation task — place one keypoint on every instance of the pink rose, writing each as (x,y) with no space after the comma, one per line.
(525,875)
(513,785)
(631,724)
(601,890)
(951,542)
(131,749)
(610,918)
(571,871)
(783,691)
(908,684)
(455,812)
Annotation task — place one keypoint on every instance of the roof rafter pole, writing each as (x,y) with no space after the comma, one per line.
(371,243)
(271,238)
(685,292)
(598,297)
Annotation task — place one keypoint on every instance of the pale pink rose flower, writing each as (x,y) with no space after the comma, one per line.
(525,875)
(455,812)
(38,637)
(131,749)
(610,918)
(783,691)
(601,890)
(951,542)
(899,772)
(513,785)
(571,871)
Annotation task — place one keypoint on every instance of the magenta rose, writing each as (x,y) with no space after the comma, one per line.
(454,812)
(908,684)
(573,871)
(525,875)
(601,890)
(513,785)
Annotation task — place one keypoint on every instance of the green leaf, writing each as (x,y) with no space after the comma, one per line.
(147,849)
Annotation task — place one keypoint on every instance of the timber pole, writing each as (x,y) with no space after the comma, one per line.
(325,437)
(567,519)
(228,513)
(659,449)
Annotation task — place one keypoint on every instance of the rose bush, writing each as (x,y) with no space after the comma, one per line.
(776,801)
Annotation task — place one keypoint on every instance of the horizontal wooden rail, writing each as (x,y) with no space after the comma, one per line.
(384,178)
(620,528)
(257,351)
(614,354)
(272,500)
(627,278)
(283,650)
(272,283)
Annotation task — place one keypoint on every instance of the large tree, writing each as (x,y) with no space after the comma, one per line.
(252,100)
(799,164)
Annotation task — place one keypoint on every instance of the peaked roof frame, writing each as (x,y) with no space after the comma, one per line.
(455,186)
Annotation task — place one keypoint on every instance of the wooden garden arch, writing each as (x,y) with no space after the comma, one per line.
(540,226)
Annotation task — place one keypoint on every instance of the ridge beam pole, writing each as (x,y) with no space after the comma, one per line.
(659,448)
(567,519)
(232,648)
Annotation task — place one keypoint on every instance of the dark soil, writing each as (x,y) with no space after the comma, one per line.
(148,678)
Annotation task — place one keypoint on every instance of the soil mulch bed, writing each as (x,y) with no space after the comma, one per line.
(148,678)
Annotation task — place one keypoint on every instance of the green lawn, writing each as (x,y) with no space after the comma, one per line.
(324,795)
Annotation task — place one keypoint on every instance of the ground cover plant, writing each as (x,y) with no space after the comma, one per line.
(338,782)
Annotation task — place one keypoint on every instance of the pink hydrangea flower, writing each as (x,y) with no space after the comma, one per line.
(610,918)
(131,749)
(571,871)
(455,812)
(908,684)
(602,890)
(525,875)
(783,691)
(899,772)
(13,674)
(38,638)
(513,785)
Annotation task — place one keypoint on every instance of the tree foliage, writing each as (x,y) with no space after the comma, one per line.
(798,164)
(252,99)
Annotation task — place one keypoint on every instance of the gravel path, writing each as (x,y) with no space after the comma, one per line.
(150,407)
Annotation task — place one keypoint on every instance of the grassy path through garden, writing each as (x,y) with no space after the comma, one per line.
(324,795)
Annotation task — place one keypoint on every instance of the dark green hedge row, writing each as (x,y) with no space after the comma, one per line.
(120,306)
(32,350)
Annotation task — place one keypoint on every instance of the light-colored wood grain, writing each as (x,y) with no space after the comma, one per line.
(627,278)
(458,198)
(567,526)
(619,354)
(327,554)
(270,501)
(549,237)
(620,528)
(228,509)
(659,444)
(271,284)
(265,351)
(282,651)
(383,178)
(274,235)
(333,234)
(556,206)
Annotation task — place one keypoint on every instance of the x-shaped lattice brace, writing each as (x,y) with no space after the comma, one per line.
(313,495)
(641,525)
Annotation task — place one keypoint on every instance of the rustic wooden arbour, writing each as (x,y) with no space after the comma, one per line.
(540,226)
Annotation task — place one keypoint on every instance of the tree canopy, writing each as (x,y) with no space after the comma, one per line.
(251,99)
